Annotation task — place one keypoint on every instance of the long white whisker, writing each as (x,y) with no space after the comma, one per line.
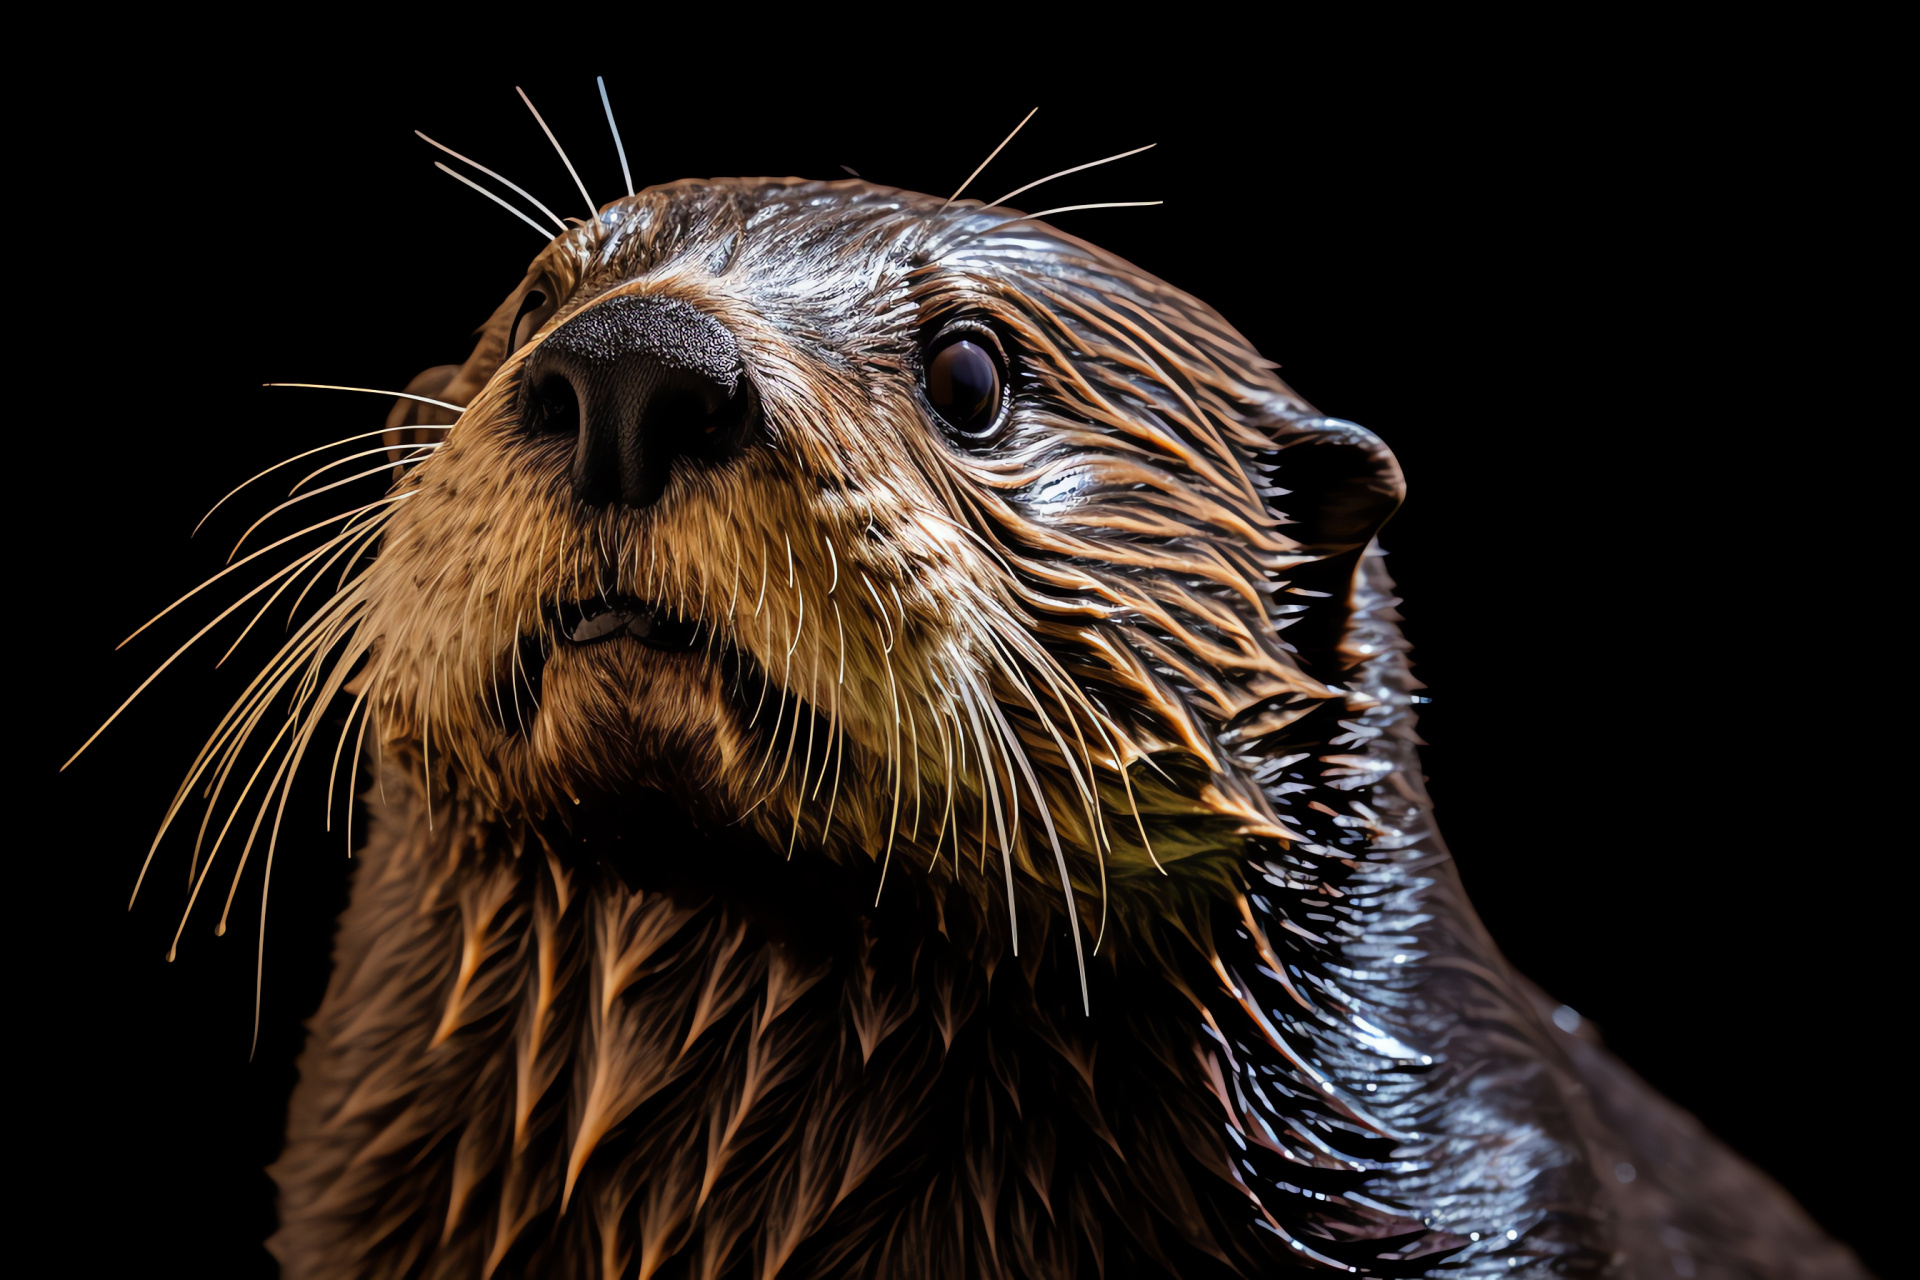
(359,741)
(1092,164)
(236,726)
(335,678)
(177,652)
(497,178)
(252,556)
(364,453)
(591,207)
(341,544)
(174,947)
(311,493)
(893,819)
(1046,213)
(461,177)
(333,771)
(349,550)
(989,160)
(990,781)
(372,391)
(1012,741)
(228,755)
(625,173)
(285,462)
(1070,208)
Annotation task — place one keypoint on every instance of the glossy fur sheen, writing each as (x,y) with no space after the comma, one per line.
(614,997)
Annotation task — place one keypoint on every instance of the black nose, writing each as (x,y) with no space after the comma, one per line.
(639,382)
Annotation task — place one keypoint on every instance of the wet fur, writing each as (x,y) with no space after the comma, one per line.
(644,976)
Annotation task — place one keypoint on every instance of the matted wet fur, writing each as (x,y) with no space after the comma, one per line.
(1025,873)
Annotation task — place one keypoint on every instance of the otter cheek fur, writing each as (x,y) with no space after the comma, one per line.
(896,758)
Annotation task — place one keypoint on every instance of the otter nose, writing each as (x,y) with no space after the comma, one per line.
(640,383)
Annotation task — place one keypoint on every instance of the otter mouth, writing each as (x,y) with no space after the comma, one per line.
(584,622)
(579,624)
(516,693)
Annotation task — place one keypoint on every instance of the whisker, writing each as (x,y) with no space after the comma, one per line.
(989,160)
(302,650)
(364,453)
(376,391)
(333,771)
(348,550)
(253,706)
(347,539)
(806,761)
(1047,213)
(946,751)
(990,782)
(913,754)
(592,208)
(230,750)
(240,719)
(251,557)
(1012,740)
(1091,164)
(174,947)
(625,174)
(460,177)
(364,435)
(497,178)
(359,746)
(190,643)
(313,493)
(1071,208)
(335,678)
(893,819)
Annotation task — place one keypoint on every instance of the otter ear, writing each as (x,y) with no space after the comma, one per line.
(1337,483)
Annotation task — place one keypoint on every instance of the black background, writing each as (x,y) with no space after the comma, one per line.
(1566,300)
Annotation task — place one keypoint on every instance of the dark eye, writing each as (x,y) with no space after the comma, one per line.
(967,380)
(535,310)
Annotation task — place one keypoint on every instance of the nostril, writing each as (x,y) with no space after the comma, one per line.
(553,406)
(680,418)
(642,385)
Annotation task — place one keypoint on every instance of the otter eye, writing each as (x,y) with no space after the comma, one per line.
(535,310)
(966,381)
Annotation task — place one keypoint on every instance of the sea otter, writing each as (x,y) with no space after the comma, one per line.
(893,756)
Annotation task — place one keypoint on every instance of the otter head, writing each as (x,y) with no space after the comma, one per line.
(902,533)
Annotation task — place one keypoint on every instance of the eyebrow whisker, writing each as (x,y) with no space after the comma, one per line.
(1092,164)
(539,230)
(625,173)
(989,160)
(495,176)
(592,209)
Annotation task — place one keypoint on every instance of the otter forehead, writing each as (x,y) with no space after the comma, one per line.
(821,256)
(839,263)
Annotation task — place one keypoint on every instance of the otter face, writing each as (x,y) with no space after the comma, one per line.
(889,528)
